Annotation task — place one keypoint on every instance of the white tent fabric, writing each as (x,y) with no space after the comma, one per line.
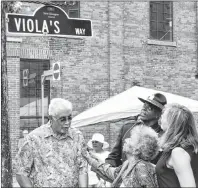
(31,108)
(126,104)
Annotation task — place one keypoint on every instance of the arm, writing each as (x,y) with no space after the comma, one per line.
(104,170)
(23,181)
(24,162)
(114,158)
(180,161)
(83,166)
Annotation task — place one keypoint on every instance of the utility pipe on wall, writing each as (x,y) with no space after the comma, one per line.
(196,75)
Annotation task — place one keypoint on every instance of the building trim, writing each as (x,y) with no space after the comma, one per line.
(196,73)
(161,43)
(14,39)
(33,53)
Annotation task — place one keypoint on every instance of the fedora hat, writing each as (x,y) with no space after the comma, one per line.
(100,138)
(158,100)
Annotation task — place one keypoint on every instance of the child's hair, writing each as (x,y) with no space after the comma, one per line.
(143,143)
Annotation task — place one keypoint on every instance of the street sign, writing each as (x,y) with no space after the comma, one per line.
(25,77)
(49,20)
(56,71)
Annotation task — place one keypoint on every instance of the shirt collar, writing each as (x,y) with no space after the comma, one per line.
(50,132)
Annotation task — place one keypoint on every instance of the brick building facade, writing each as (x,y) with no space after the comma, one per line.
(119,55)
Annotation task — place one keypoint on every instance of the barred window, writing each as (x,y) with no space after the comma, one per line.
(74,13)
(161,20)
(72,8)
(30,93)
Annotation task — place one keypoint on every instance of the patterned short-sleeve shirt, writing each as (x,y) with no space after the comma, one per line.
(50,160)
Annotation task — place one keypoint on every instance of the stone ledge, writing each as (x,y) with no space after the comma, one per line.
(14,39)
(161,43)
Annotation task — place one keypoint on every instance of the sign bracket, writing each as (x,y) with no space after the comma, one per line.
(45,76)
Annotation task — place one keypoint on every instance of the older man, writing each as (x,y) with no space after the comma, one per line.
(149,116)
(51,155)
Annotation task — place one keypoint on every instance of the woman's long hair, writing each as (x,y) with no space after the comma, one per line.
(181,129)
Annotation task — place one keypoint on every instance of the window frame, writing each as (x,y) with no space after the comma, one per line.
(157,22)
(78,10)
(67,6)
(27,94)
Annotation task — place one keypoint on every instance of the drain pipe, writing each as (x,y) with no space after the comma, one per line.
(196,74)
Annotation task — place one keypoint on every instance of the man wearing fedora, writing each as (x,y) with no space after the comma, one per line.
(149,116)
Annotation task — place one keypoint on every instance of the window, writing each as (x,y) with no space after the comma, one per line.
(74,13)
(72,8)
(161,20)
(30,93)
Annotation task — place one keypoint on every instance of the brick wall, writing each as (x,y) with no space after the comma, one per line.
(133,60)
(35,48)
(13,71)
(116,57)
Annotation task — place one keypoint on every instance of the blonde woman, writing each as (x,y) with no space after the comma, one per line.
(136,171)
(178,166)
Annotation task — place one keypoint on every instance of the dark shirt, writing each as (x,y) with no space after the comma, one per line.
(117,157)
(167,178)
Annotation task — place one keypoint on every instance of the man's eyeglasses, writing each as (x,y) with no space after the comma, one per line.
(64,118)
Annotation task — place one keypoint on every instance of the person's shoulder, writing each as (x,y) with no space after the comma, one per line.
(129,123)
(106,153)
(21,140)
(75,130)
(179,153)
(145,165)
(39,132)
(75,133)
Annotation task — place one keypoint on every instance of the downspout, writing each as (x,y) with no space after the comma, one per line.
(109,66)
(196,74)
(109,51)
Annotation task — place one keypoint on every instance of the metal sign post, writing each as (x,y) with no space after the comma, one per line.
(42,97)
(44,76)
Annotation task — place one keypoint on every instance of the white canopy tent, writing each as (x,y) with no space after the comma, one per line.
(126,104)
(30,108)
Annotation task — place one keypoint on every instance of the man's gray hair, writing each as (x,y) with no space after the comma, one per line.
(57,105)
